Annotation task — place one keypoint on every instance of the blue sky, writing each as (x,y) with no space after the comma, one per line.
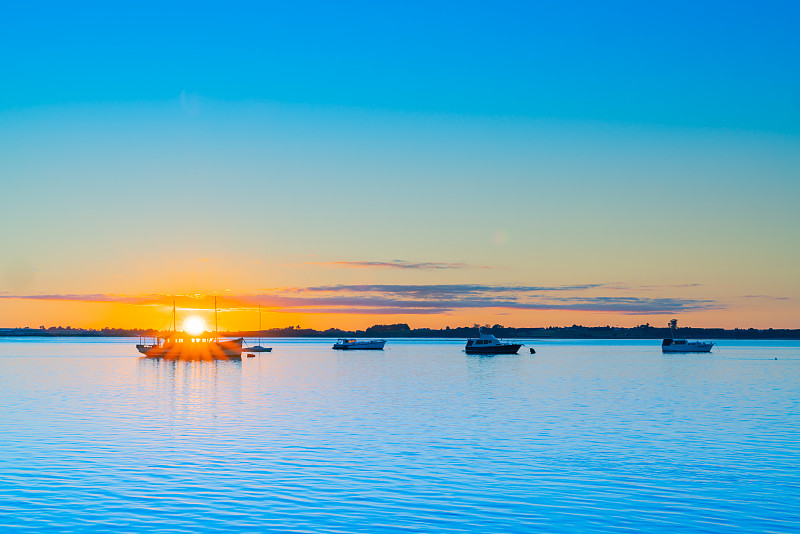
(197,148)
(694,64)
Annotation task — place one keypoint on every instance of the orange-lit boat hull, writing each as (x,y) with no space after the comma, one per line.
(209,350)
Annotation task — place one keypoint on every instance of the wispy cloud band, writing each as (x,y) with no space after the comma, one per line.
(400,299)
(394,264)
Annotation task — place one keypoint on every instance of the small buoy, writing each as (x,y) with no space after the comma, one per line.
(533,351)
(776,357)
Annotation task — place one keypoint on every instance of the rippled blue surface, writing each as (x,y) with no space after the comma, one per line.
(582,436)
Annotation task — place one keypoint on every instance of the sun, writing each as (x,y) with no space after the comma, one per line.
(194,325)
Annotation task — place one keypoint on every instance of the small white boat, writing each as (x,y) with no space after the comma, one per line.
(681,345)
(488,344)
(354,344)
(259,348)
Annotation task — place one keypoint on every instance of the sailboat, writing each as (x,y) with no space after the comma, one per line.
(259,348)
(183,346)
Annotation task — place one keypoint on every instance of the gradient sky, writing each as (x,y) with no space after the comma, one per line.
(352,163)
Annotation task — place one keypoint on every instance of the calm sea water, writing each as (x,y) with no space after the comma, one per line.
(582,436)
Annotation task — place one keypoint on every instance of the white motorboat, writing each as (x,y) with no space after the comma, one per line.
(488,344)
(355,344)
(681,345)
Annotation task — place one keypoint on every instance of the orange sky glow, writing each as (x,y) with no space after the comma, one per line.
(235,314)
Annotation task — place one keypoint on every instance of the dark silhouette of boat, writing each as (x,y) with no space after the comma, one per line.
(180,346)
(183,346)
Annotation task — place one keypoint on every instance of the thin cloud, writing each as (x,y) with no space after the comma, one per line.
(367,311)
(382,306)
(445,298)
(396,264)
(441,290)
(667,286)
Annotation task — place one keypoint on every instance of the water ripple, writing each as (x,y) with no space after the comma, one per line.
(583,436)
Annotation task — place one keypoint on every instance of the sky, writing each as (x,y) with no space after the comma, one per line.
(434,163)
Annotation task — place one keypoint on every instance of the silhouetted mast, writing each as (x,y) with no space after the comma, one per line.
(174,322)
(216,332)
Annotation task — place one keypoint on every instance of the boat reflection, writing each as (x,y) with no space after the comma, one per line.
(186,386)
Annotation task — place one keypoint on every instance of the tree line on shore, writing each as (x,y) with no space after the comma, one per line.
(645,331)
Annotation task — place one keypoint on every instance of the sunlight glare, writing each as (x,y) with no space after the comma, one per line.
(194,325)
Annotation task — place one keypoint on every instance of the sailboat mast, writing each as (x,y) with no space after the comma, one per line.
(174,322)
(216,332)
(259,324)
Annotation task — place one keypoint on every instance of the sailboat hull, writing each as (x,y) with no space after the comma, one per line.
(212,350)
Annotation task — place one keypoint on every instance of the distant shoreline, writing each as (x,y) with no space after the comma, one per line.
(403,331)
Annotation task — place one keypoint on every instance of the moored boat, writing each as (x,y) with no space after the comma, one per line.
(179,346)
(183,346)
(682,345)
(259,348)
(488,344)
(671,344)
(355,344)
